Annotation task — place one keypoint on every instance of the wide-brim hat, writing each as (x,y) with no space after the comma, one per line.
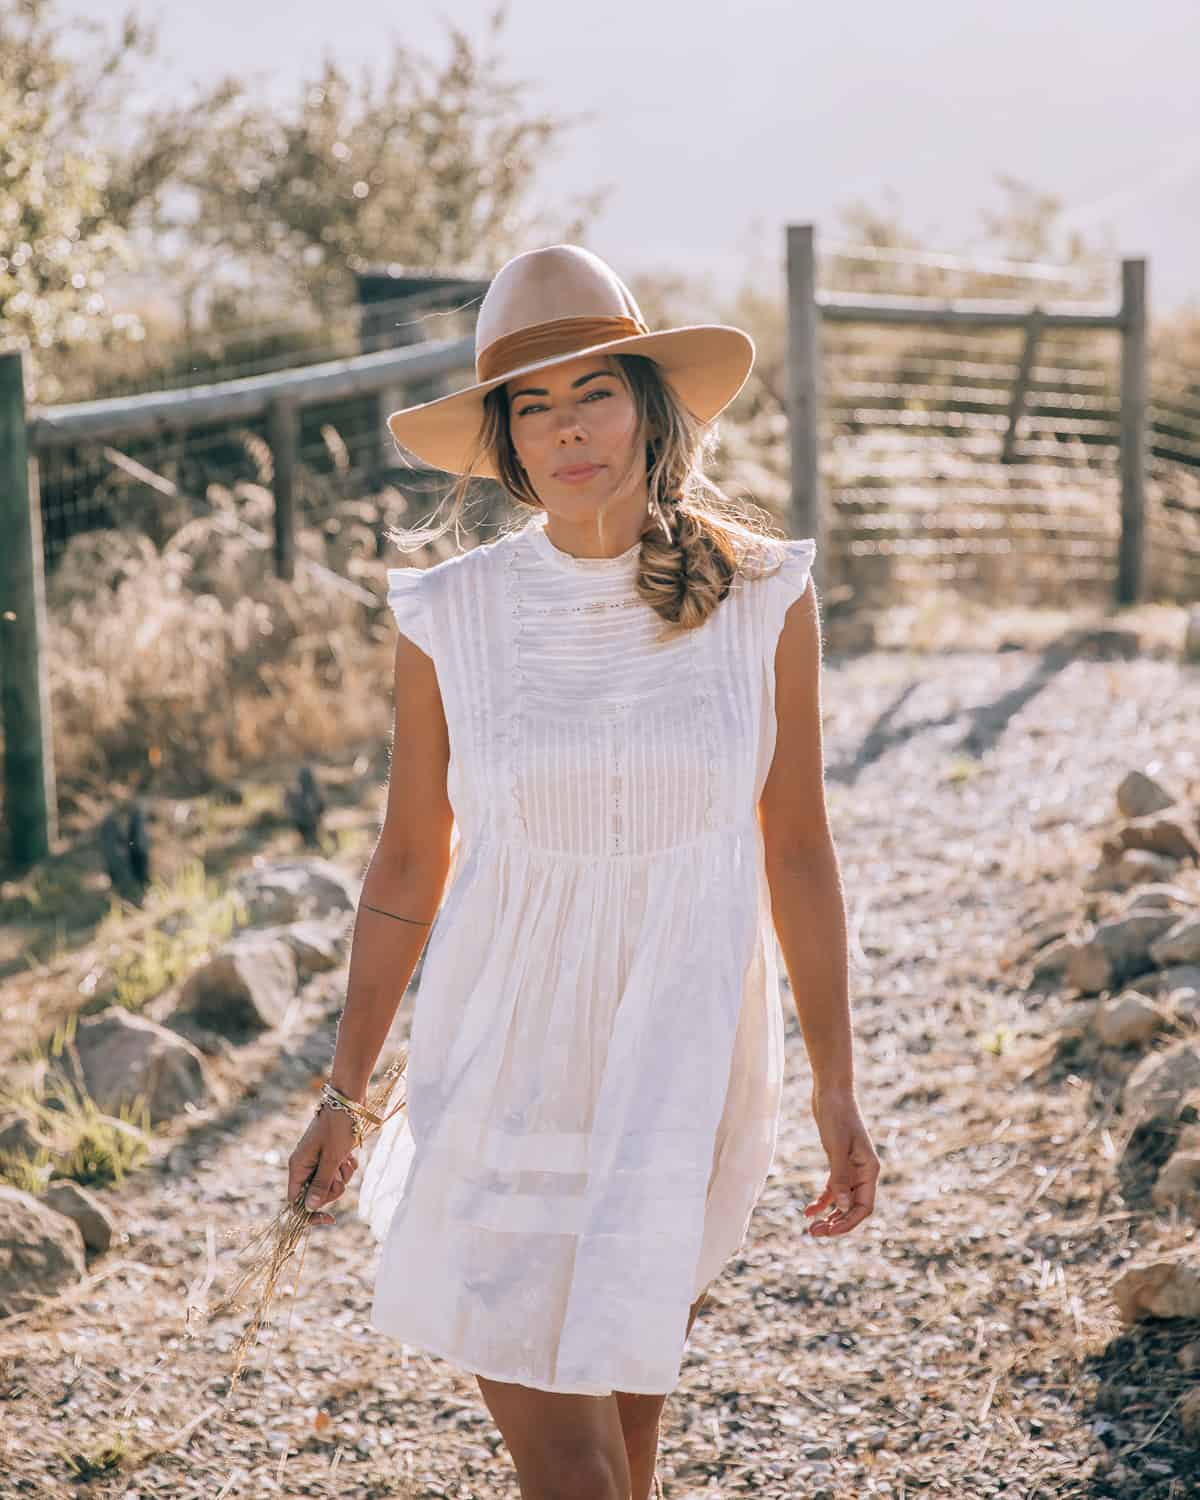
(551,305)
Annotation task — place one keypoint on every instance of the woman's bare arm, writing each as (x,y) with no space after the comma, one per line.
(406,875)
(802,866)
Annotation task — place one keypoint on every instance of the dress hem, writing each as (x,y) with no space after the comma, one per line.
(508,1379)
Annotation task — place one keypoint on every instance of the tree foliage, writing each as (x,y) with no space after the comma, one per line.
(430,165)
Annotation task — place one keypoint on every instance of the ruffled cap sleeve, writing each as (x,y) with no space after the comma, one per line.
(405,597)
(787,584)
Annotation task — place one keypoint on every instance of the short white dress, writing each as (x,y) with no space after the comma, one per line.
(596,1045)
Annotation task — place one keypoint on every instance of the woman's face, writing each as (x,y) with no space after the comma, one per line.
(572,415)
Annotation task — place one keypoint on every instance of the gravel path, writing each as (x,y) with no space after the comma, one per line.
(957,1343)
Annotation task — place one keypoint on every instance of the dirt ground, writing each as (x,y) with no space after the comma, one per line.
(961,1342)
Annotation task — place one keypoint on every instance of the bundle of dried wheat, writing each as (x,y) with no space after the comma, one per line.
(271,1247)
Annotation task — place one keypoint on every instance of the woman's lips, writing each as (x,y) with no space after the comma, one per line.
(579,474)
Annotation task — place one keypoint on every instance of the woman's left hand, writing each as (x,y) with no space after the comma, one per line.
(853,1163)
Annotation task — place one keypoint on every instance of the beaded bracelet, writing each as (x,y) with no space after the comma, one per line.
(329,1103)
(335,1096)
(359,1113)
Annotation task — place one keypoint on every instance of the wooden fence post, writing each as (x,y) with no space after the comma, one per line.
(282,433)
(30,797)
(1131,558)
(804,387)
(1016,404)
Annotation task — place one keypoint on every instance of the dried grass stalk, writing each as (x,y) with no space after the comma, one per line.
(273,1246)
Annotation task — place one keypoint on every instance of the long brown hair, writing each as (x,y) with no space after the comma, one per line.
(698,537)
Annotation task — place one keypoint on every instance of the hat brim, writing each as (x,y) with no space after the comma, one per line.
(706,363)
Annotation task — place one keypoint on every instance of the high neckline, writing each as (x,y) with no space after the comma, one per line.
(623,562)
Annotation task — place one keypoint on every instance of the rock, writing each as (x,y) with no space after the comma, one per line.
(1178,1181)
(1077,1019)
(295,890)
(1159,1289)
(1116,951)
(1157,896)
(1166,982)
(18,1138)
(40,1251)
(1131,867)
(1179,945)
(96,1223)
(1158,833)
(317,946)
(244,989)
(1184,1004)
(208,1043)
(1188,1412)
(1139,795)
(1050,965)
(1145,867)
(123,1056)
(1161,1081)
(1046,930)
(1127,1019)
(1191,638)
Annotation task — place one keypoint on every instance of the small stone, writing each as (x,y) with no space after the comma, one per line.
(1139,795)
(86,1209)
(1127,1019)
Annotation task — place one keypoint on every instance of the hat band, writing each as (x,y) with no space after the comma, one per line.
(547,340)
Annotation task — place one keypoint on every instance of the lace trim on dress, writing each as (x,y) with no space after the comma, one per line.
(622,562)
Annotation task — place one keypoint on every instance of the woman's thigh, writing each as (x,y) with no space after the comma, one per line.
(550,1434)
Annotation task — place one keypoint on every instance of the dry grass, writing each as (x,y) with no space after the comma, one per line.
(272,1248)
(170,683)
(78,1140)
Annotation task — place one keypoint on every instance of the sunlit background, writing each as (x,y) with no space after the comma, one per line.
(712,125)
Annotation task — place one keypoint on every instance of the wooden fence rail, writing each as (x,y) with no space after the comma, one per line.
(988,417)
(30,802)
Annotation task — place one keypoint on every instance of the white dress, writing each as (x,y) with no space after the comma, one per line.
(596,1046)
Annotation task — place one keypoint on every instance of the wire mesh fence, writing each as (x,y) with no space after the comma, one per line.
(932,475)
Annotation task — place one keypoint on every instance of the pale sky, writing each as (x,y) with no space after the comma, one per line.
(719,123)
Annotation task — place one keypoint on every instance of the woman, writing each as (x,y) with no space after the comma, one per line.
(616,709)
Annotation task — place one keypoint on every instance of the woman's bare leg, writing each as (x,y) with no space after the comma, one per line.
(560,1444)
(640,1417)
(588,1447)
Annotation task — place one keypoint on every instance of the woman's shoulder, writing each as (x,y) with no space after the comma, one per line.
(462,568)
(767,561)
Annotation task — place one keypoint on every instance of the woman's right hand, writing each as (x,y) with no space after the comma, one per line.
(328,1147)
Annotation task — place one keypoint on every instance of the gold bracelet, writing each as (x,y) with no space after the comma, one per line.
(335,1096)
(328,1103)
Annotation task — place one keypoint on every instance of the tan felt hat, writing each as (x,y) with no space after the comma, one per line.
(547,306)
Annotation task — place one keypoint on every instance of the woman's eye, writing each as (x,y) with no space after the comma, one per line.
(537,406)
